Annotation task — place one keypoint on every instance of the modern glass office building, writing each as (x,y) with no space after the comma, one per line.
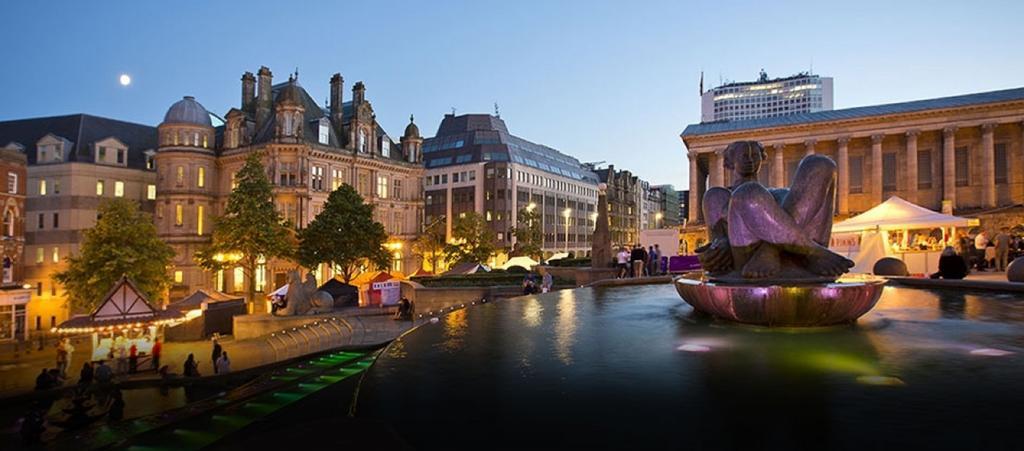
(800,93)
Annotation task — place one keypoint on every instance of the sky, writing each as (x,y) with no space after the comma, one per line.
(609,81)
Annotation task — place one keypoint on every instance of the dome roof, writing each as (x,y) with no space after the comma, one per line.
(412,130)
(188,111)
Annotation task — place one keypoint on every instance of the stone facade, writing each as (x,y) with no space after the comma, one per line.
(961,155)
(308,151)
(625,205)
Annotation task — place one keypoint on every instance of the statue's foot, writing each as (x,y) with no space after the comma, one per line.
(764,263)
(827,263)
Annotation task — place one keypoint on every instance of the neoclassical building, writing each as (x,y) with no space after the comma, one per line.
(308,151)
(962,154)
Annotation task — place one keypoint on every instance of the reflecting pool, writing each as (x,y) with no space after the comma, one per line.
(635,367)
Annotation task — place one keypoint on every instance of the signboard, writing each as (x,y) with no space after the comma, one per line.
(666,239)
(390,291)
(844,243)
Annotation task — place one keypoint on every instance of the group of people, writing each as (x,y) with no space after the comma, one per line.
(992,253)
(534,284)
(639,262)
(405,310)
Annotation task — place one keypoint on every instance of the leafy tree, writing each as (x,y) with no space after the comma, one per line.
(123,242)
(472,240)
(529,234)
(429,246)
(344,235)
(250,228)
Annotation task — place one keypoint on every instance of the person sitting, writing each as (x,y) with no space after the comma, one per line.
(43,381)
(951,265)
(103,373)
(86,374)
(191,367)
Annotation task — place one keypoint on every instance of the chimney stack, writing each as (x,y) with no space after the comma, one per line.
(337,99)
(248,91)
(264,99)
(358,93)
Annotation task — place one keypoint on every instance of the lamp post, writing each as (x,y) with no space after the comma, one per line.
(567,212)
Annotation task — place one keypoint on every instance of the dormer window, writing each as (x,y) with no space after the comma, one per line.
(324,129)
(385,147)
(102,154)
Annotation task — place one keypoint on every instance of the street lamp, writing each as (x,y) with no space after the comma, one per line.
(531,206)
(567,212)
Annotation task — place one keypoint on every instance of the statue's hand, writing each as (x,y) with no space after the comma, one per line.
(716,256)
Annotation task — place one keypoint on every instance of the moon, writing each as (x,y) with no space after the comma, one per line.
(125,80)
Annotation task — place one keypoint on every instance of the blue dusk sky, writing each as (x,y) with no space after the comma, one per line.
(601,80)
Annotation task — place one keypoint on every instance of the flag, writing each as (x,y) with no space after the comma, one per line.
(702,83)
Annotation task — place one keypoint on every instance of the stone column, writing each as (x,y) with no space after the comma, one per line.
(693,201)
(988,165)
(718,171)
(843,162)
(779,166)
(911,178)
(876,169)
(948,170)
(809,145)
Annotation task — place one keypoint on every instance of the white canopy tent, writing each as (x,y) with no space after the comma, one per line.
(523,261)
(865,238)
(898,214)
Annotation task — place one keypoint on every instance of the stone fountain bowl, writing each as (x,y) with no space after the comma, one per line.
(782,304)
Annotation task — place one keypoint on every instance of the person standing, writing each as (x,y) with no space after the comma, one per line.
(103,373)
(637,260)
(69,351)
(122,357)
(652,261)
(1002,248)
(158,349)
(223,364)
(133,359)
(546,282)
(622,260)
(658,270)
(215,355)
(191,367)
(62,357)
(980,242)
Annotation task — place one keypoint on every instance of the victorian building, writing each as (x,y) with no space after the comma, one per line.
(625,205)
(475,165)
(308,151)
(962,154)
(74,163)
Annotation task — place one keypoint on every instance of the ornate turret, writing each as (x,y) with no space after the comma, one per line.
(412,142)
(289,112)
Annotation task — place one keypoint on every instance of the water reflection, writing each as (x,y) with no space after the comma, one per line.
(454,330)
(532,310)
(565,328)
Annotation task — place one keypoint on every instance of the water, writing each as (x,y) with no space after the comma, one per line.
(634,367)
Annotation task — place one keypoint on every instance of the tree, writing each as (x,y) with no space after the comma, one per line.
(429,246)
(472,240)
(122,243)
(529,234)
(344,235)
(250,229)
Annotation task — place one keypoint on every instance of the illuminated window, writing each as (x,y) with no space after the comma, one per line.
(12,182)
(201,177)
(179,276)
(316,178)
(382,187)
(118,188)
(179,215)
(220,280)
(205,143)
(99,187)
(56,255)
(337,178)
(151,192)
(238,280)
(40,255)
(42,187)
(179,177)
(199,220)
(398,189)
(234,180)
(261,275)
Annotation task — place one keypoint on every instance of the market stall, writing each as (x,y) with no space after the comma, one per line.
(897,228)
(124,318)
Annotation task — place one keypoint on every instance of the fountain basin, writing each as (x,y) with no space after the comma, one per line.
(783,304)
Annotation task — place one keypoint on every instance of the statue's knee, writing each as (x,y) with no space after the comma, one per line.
(818,165)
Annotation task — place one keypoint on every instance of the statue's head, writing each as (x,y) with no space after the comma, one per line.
(744,158)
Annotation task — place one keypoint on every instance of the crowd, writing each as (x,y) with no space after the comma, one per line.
(982,252)
(640,262)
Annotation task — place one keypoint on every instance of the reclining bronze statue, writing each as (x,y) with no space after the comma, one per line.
(782,234)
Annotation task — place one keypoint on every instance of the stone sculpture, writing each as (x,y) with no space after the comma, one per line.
(759,233)
(303,298)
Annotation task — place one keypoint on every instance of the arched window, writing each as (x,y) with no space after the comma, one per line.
(8,223)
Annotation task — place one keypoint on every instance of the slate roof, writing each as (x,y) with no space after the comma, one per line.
(980,98)
(311,115)
(483,137)
(82,130)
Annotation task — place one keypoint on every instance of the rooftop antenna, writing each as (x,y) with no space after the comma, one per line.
(296,72)
(812,67)
(453,111)
(497,113)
